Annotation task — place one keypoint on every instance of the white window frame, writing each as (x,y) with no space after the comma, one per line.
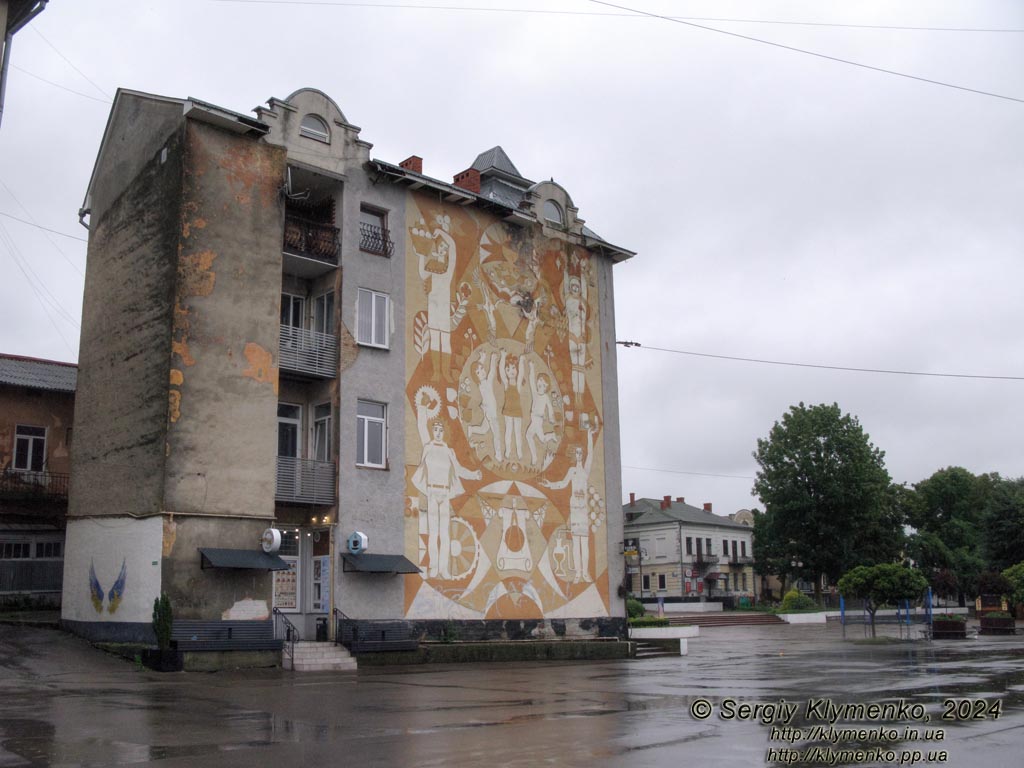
(645,583)
(30,445)
(323,313)
(373,336)
(363,433)
(320,133)
(296,422)
(660,546)
(294,300)
(662,582)
(320,439)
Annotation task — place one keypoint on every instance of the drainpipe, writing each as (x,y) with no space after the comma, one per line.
(8,40)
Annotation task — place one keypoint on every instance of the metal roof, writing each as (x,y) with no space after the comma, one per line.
(649,512)
(367,563)
(496,158)
(250,559)
(38,374)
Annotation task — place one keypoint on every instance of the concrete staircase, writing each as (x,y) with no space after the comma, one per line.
(645,650)
(319,657)
(738,619)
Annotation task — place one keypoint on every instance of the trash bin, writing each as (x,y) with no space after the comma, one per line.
(321,630)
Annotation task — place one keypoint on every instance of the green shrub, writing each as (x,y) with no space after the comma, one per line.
(996,615)
(163,619)
(634,608)
(949,617)
(795,600)
(648,621)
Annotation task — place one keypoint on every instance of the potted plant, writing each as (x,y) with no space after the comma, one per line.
(163,658)
(949,626)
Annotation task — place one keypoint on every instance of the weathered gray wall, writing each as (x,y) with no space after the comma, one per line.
(121,402)
(221,442)
(612,453)
(208,594)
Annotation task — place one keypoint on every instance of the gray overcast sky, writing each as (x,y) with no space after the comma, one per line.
(783,206)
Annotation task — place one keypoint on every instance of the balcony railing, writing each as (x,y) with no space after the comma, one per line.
(375,239)
(312,239)
(700,557)
(741,560)
(301,481)
(21,485)
(309,352)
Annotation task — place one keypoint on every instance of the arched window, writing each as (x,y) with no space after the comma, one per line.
(315,128)
(553,213)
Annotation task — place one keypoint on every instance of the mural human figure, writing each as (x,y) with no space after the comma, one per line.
(486,379)
(540,408)
(574,297)
(436,270)
(578,477)
(438,478)
(512,377)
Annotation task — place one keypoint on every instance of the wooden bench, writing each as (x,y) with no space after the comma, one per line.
(377,636)
(192,635)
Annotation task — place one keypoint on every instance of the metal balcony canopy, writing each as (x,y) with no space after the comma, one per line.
(251,559)
(367,563)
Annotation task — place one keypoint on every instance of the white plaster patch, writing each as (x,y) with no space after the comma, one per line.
(431,604)
(247,610)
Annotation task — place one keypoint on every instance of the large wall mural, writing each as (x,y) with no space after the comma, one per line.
(504,462)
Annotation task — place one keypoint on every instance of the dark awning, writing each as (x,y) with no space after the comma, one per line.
(367,563)
(253,559)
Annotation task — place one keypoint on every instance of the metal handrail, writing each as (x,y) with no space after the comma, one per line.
(291,633)
(373,239)
(339,616)
(311,238)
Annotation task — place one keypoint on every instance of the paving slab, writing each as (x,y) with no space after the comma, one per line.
(62,702)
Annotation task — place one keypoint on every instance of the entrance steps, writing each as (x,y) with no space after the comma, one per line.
(651,651)
(319,657)
(724,619)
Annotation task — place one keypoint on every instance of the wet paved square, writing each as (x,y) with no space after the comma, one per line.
(63,703)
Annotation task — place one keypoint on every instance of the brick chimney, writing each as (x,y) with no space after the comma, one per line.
(668,502)
(412,163)
(469,180)
(632,499)
(707,506)
(681,499)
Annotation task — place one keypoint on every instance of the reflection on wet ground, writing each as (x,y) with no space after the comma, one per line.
(64,703)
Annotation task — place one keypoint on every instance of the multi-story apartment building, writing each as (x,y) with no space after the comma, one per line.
(688,552)
(37,404)
(280,332)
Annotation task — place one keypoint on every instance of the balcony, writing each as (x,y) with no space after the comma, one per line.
(301,481)
(741,560)
(17,485)
(310,247)
(308,353)
(374,239)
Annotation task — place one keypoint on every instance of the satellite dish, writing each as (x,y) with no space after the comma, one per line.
(271,540)
(357,542)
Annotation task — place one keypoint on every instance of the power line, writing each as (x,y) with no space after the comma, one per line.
(683,472)
(812,53)
(58,85)
(632,15)
(821,366)
(69,62)
(46,229)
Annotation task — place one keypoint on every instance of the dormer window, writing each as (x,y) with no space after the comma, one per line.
(553,213)
(313,127)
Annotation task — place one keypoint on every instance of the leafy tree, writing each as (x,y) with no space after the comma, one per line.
(878,584)
(829,502)
(1003,523)
(946,511)
(1015,575)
